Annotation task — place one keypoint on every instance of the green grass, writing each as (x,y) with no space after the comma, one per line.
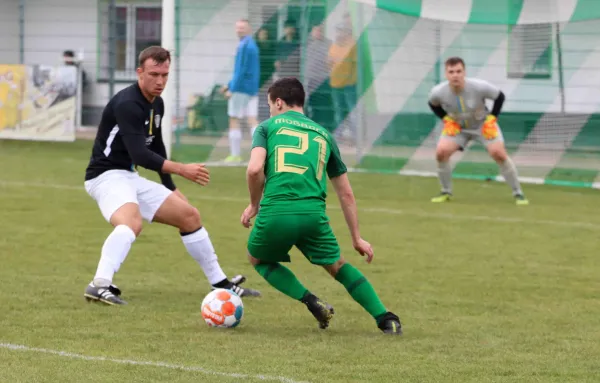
(487,291)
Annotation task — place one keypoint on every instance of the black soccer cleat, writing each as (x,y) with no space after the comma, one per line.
(390,324)
(108,295)
(321,310)
(234,285)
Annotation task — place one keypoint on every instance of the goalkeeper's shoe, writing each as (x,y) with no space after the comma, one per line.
(234,285)
(322,311)
(520,200)
(110,295)
(443,197)
(390,324)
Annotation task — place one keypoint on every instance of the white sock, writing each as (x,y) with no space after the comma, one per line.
(252,131)
(235,141)
(114,251)
(201,249)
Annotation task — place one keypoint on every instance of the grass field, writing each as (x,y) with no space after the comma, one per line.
(487,291)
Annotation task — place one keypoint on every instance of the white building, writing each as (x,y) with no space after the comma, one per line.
(404,51)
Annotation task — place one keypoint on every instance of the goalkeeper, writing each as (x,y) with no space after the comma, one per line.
(460,103)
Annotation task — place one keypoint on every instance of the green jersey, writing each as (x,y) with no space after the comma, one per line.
(300,153)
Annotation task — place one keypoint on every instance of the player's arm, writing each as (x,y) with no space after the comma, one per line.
(238,67)
(451,127)
(255,173)
(498,102)
(158,147)
(131,120)
(338,174)
(343,189)
(435,105)
(492,92)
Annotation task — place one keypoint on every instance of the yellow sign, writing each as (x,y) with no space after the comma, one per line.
(38,102)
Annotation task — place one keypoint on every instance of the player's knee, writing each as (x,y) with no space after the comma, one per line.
(253,261)
(442,154)
(190,220)
(498,154)
(130,216)
(136,226)
(334,268)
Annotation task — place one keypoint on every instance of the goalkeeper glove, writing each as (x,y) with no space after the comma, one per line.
(451,127)
(489,129)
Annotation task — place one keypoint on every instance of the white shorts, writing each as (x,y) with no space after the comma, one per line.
(115,188)
(241,105)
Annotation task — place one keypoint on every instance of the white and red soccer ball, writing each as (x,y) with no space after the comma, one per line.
(222,308)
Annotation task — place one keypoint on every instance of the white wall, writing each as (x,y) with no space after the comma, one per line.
(9,31)
(207,55)
(52,26)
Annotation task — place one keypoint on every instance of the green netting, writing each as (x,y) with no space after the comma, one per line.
(544,57)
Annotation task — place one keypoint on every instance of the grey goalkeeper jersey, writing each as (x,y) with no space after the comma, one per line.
(468,107)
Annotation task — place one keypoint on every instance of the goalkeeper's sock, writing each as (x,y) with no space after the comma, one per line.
(445,176)
(282,278)
(361,290)
(509,172)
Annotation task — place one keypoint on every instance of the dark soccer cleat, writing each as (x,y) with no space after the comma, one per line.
(322,311)
(390,324)
(108,295)
(234,285)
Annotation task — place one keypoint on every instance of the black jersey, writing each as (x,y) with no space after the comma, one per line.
(129,135)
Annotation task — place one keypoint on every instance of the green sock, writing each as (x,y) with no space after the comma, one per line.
(361,290)
(282,278)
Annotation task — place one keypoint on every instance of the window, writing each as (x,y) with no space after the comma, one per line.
(530,51)
(137,26)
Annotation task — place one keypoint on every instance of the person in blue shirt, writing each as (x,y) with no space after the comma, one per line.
(242,90)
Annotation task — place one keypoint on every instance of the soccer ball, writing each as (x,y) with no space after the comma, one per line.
(222,308)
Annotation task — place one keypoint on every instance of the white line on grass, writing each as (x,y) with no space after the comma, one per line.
(380,210)
(202,370)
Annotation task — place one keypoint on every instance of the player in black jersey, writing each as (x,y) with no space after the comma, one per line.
(129,135)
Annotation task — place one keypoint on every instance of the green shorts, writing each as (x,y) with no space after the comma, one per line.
(273,236)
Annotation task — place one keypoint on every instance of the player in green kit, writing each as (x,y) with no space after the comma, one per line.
(290,159)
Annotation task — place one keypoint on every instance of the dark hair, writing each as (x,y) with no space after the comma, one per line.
(156,53)
(69,53)
(289,89)
(454,61)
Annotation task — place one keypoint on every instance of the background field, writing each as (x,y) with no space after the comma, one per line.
(487,291)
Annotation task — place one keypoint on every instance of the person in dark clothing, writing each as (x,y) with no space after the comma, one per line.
(130,135)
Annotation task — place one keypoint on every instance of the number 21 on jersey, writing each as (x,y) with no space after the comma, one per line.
(303,144)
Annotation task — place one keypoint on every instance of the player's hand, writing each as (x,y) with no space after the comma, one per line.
(223,89)
(227,95)
(489,130)
(180,195)
(451,127)
(364,248)
(249,213)
(197,173)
